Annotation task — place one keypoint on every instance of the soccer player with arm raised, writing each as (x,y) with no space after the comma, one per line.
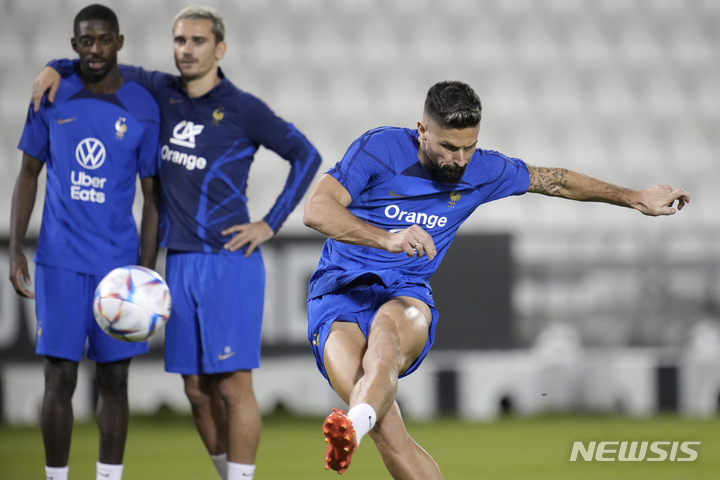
(390,209)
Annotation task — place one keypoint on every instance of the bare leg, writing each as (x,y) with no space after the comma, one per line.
(57,412)
(368,373)
(403,458)
(113,412)
(226,414)
(243,415)
(208,412)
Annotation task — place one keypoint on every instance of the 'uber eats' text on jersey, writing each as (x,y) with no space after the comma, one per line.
(94,146)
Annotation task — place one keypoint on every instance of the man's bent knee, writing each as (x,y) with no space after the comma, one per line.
(234,386)
(196,394)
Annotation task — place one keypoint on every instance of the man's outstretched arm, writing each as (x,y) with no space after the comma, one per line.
(561,182)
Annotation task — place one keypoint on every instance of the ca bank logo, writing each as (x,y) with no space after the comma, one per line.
(184,133)
(90,153)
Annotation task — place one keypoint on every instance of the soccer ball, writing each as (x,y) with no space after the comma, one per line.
(132,303)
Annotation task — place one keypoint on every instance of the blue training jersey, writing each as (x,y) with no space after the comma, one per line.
(207,145)
(391,190)
(94,146)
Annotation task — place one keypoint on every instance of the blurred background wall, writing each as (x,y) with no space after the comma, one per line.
(624,90)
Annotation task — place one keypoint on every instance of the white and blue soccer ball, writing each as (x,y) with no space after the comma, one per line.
(132,303)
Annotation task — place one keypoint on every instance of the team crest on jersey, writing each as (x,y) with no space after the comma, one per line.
(90,153)
(185,132)
(120,128)
(454,197)
(218,115)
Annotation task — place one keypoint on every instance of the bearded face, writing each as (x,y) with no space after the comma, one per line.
(448,172)
(446,151)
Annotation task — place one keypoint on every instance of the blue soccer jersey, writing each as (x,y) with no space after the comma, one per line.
(391,190)
(207,145)
(94,146)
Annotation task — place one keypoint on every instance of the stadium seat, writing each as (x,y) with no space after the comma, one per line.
(700,371)
(23,388)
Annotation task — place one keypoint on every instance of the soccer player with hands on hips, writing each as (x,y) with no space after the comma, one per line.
(390,209)
(99,135)
(209,133)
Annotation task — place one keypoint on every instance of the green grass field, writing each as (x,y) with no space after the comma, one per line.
(166,447)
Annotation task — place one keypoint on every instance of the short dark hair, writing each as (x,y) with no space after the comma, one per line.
(96,12)
(453,104)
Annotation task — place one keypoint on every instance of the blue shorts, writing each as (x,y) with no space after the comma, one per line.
(65,321)
(360,305)
(216,320)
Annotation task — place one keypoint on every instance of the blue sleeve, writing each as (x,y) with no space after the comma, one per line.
(64,66)
(153,81)
(363,165)
(35,138)
(511,176)
(286,140)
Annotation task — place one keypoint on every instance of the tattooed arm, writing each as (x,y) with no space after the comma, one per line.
(560,182)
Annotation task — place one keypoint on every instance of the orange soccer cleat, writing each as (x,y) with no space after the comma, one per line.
(340,437)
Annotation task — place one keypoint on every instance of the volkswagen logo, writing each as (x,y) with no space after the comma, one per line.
(90,153)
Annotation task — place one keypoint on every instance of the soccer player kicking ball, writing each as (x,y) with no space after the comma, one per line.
(390,209)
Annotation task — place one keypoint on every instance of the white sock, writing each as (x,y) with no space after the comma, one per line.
(221,462)
(240,471)
(57,473)
(363,418)
(106,471)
